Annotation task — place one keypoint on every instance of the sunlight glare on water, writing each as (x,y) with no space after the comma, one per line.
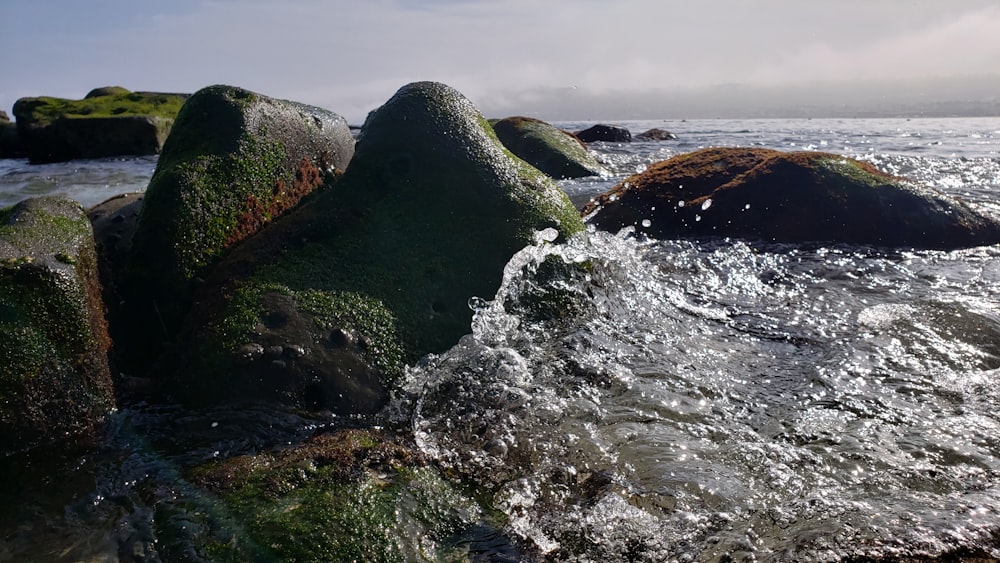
(718,399)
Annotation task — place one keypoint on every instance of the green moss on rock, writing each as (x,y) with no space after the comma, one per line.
(428,214)
(235,160)
(353,495)
(54,375)
(108,122)
(553,151)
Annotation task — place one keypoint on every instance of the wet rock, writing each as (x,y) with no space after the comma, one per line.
(774,196)
(108,122)
(234,162)
(114,223)
(10,142)
(549,149)
(54,375)
(602,132)
(655,134)
(351,495)
(379,271)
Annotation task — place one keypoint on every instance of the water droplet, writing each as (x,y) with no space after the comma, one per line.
(706,204)
(680,203)
(646,223)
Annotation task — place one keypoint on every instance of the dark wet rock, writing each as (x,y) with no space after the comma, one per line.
(602,132)
(10,141)
(655,134)
(768,195)
(234,162)
(351,495)
(549,149)
(108,122)
(54,375)
(379,270)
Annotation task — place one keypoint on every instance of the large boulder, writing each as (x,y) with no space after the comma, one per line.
(108,122)
(549,149)
(604,132)
(324,307)
(778,196)
(54,376)
(234,162)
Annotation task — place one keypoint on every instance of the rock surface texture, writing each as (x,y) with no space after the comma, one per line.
(549,149)
(54,375)
(776,196)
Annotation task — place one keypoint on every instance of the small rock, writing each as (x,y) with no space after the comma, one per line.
(249,352)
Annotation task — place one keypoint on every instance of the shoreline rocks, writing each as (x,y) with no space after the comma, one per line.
(54,375)
(110,121)
(605,133)
(234,162)
(549,149)
(377,271)
(774,196)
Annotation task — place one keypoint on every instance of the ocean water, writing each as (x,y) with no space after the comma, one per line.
(716,400)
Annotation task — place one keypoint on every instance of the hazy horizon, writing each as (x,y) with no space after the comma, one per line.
(564,59)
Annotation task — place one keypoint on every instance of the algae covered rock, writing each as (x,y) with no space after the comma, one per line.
(235,160)
(108,122)
(770,195)
(351,495)
(549,149)
(379,269)
(54,376)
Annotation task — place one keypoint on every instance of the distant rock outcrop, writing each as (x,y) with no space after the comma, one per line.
(655,134)
(109,122)
(778,196)
(54,376)
(607,133)
(549,149)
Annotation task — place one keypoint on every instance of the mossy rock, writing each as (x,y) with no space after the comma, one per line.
(54,375)
(549,149)
(792,197)
(235,160)
(428,214)
(115,123)
(351,495)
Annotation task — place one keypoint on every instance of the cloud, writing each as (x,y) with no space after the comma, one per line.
(352,56)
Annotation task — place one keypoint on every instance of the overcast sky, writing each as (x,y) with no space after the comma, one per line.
(350,56)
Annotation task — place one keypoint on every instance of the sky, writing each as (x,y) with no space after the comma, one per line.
(507,56)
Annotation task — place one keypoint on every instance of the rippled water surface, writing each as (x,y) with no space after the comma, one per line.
(684,401)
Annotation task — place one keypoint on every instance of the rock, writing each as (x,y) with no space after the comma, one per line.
(655,134)
(234,161)
(114,222)
(114,124)
(553,151)
(379,270)
(350,495)
(794,197)
(10,142)
(602,132)
(54,375)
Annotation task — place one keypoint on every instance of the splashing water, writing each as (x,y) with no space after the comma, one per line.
(698,401)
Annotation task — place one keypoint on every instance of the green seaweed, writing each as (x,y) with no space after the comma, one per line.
(44,110)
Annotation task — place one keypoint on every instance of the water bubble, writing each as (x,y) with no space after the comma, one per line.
(706,204)
(647,223)
(680,203)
